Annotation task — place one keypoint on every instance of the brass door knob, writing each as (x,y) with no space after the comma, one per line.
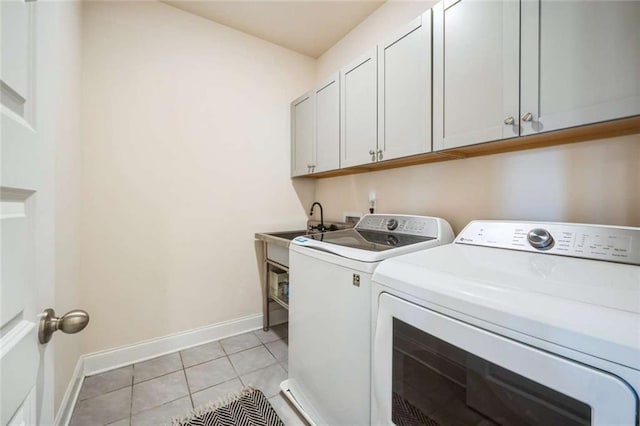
(71,322)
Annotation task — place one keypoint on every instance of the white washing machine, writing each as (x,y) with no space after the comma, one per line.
(330,312)
(516,323)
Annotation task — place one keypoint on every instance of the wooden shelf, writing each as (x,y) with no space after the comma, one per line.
(608,129)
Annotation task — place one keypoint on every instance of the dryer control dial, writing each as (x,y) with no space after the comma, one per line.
(540,238)
(392,224)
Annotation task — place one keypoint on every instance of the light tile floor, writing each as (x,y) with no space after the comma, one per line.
(154,391)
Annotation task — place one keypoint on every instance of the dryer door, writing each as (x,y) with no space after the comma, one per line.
(431,369)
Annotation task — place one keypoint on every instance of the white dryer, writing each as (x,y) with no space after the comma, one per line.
(330,311)
(516,323)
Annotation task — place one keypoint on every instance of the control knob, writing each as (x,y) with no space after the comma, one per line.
(392,224)
(540,238)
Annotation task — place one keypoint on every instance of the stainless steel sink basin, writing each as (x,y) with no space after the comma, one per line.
(277,244)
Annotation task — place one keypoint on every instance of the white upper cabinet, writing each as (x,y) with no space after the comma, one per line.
(580,63)
(404,91)
(327,141)
(359,84)
(468,72)
(302,135)
(475,72)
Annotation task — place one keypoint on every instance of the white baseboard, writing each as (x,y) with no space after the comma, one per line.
(63,416)
(109,359)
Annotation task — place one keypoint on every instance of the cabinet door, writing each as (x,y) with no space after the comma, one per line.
(327,98)
(404,91)
(580,62)
(359,111)
(302,135)
(476,72)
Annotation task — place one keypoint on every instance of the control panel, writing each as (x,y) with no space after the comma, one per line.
(610,243)
(400,224)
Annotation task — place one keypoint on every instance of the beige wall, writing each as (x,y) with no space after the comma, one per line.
(594,182)
(185,156)
(64,70)
(591,182)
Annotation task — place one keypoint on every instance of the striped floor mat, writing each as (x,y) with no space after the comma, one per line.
(248,407)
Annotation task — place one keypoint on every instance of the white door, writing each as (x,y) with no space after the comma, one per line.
(359,111)
(454,373)
(327,142)
(302,123)
(475,72)
(404,91)
(26,220)
(580,63)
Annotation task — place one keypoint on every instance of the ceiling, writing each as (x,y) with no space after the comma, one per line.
(306,26)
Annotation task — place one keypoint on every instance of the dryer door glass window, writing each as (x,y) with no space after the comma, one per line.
(436,383)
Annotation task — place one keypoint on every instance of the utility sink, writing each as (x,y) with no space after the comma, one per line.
(277,244)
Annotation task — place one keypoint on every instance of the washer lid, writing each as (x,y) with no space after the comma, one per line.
(352,245)
(589,306)
(368,240)
(380,236)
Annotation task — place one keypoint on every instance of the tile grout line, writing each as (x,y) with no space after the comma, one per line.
(221,383)
(158,406)
(204,362)
(236,371)
(184,368)
(271,352)
(256,370)
(133,375)
(184,372)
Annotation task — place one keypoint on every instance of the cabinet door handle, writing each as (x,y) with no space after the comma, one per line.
(527,117)
(509,121)
(379,155)
(372,153)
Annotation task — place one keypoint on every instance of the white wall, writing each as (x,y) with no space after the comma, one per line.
(185,155)
(594,182)
(590,182)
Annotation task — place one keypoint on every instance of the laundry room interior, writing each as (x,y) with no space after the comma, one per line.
(200,159)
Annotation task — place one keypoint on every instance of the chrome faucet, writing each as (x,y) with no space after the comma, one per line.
(320,227)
